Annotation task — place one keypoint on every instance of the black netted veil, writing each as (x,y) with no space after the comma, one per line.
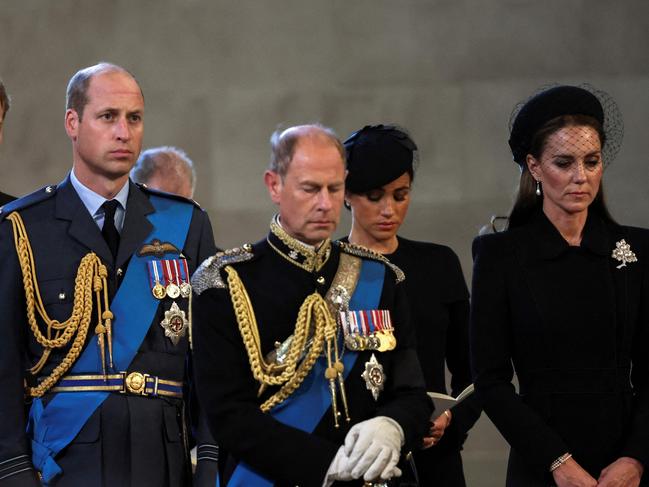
(555,100)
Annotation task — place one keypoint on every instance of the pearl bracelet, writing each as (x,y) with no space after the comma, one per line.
(560,461)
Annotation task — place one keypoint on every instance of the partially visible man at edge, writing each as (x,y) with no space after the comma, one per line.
(167,169)
(298,401)
(4,108)
(101,321)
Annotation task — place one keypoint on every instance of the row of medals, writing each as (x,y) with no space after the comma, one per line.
(382,341)
(172,290)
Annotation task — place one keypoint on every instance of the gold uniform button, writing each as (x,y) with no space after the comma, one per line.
(320,280)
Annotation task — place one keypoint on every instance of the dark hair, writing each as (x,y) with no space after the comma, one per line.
(527,202)
(377,155)
(76,97)
(4,100)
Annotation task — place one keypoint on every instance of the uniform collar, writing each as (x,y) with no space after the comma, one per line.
(548,243)
(93,201)
(303,255)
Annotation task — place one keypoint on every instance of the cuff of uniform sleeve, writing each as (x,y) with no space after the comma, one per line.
(207,452)
(18,471)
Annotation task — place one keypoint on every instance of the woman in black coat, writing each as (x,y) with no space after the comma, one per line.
(562,298)
(380,161)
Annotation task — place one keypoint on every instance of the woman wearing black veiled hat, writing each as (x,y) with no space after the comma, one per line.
(562,298)
(381,160)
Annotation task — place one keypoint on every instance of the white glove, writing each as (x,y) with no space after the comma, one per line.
(339,468)
(373,447)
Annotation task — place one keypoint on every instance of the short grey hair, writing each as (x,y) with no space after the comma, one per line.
(76,96)
(284,141)
(170,162)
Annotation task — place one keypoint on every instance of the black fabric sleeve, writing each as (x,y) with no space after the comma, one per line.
(637,440)
(15,453)
(206,448)
(491,355)
(406,400)
(466,413)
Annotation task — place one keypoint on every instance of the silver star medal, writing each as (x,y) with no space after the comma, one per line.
(374,376)
(623,253)
(175,323)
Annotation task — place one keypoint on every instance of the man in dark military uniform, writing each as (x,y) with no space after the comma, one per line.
(306,366)
(96,308)
(4,108)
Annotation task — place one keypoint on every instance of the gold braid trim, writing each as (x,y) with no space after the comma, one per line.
(313,310)
(91,277)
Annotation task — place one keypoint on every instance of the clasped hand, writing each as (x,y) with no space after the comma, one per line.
(371,450)
(623,472)
(436,430)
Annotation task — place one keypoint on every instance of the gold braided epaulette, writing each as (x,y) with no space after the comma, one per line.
(208,275)
(364,252)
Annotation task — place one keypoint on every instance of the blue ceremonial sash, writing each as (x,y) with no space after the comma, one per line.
(307,405)
(54,426)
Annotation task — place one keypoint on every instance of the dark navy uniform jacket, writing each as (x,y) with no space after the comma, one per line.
(129,440)
(277,286)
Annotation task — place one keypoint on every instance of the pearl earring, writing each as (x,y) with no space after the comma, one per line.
(538,188)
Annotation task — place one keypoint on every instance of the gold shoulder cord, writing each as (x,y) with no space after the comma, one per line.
(289,374)
(91,277)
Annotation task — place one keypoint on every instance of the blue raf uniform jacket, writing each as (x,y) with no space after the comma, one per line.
(129,439)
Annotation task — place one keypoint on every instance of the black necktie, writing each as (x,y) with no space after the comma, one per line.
(109,231)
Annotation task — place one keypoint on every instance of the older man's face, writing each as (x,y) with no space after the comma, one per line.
(311,194)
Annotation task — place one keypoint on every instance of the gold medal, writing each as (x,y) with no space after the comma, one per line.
(173,291)
(391,339)
(158,291)
(384,341)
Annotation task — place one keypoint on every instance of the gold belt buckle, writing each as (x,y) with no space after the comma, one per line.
(135,383)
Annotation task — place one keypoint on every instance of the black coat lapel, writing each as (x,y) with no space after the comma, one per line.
(82,227)
(136,225)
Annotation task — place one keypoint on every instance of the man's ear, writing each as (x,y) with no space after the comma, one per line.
(72,123)
(273,182)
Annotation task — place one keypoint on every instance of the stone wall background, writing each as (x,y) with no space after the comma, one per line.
(220,76)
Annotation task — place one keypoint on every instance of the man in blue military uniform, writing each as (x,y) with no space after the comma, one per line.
(305,359)
(96,308)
